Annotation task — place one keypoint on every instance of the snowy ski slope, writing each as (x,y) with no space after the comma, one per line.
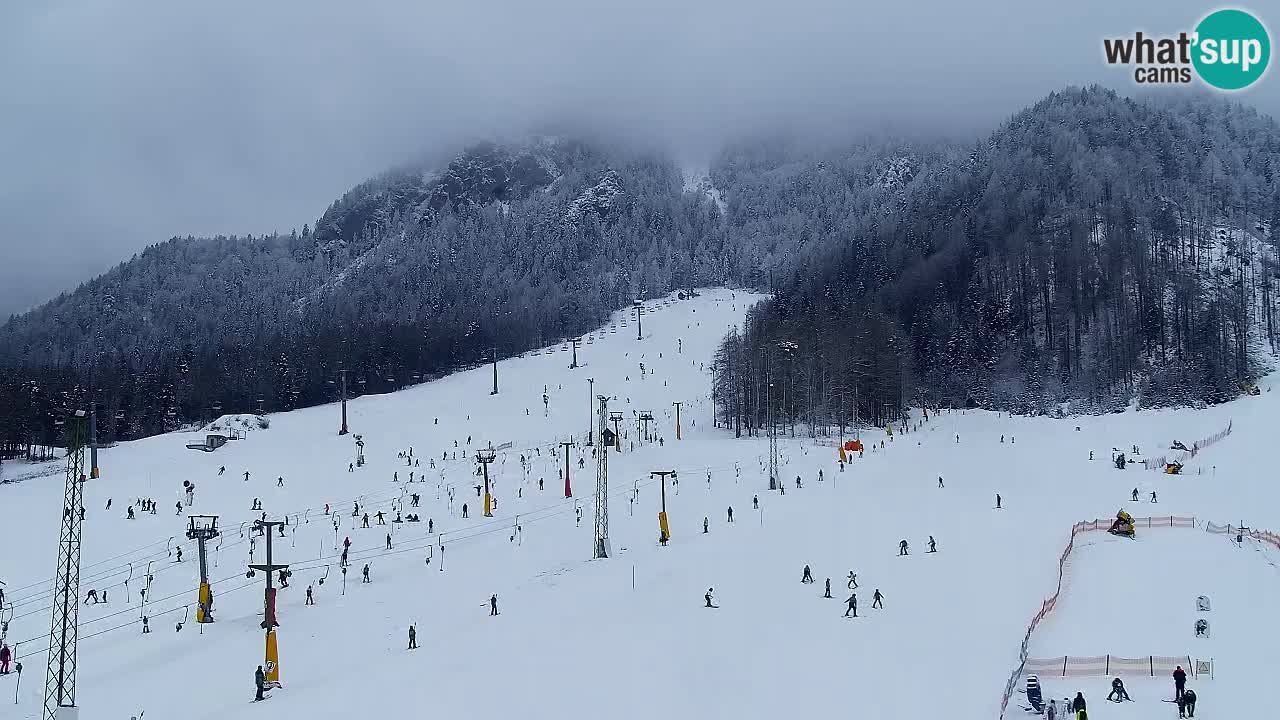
(628,637)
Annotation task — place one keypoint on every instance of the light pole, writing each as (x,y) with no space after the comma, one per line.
(677,404)
(590,394)
(343,430)
(639,312)
(495,372)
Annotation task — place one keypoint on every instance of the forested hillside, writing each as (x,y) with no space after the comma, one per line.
(1093,249)
(409,275)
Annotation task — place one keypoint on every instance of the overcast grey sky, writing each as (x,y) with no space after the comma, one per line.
(123,123)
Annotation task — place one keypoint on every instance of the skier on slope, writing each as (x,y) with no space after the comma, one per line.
(827,594)
(493,604)
(933,546)
(730,513)
(877,600)
(902,548)
(1078,706)
(365,572)
(260,682)
(853,580)
(940,481)
(807,577)
(708,598)
(1135,494)
(1187,703)
(705,524)
(755,502)
(413,638)
(853,605)
(5,655)
(1118,693)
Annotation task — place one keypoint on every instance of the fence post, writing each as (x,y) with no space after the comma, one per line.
(1151,660)
(1064,666)
(1108,672)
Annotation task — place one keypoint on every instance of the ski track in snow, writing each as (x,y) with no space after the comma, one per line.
(574,636)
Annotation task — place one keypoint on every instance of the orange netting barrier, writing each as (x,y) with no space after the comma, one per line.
(1109,666)
(1184,455)
(1048,605)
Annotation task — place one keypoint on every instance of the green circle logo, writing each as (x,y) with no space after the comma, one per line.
(1232,49)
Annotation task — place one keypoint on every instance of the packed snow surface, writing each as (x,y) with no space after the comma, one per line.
(629,636)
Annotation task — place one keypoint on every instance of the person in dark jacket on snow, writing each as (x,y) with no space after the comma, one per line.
(1187,703)
(1179,681)
(1118,693)
(259,681)
(1077,706)
(807,577)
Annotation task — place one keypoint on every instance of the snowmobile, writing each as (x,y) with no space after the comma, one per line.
(1123,525)
(1034,696)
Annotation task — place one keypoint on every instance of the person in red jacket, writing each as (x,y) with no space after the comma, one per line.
(1179,682)
(5,655)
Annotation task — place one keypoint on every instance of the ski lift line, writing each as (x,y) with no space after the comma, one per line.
(131,623)
(186,593)
(92,565)
(545,512)
(35,598)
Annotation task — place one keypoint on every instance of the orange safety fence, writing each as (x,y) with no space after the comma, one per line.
(1109,666)
(1067,665)
(1048,605)
(1183,455)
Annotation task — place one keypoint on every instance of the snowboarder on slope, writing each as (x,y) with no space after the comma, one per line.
(1077,706)
(1118,693)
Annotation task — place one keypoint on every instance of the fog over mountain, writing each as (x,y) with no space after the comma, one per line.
(125,124)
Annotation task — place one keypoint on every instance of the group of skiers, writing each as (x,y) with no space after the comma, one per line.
(877,598)
(1184,697)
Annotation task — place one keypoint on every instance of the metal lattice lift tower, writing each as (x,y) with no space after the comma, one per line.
(60,683)
(203,528)
(602,548)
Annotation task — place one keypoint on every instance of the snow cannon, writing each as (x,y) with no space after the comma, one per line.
(1173,468)
(1122,525)
(1034,696)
